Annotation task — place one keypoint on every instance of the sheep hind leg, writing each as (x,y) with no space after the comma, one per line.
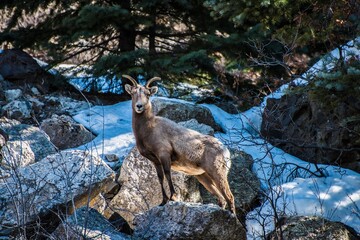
(160,174)
(208,183)
(222,185)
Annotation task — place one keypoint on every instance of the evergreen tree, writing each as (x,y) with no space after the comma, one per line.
(178,39)
(320,22)
(165,38)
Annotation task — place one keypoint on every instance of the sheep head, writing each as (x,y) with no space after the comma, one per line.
(140,94)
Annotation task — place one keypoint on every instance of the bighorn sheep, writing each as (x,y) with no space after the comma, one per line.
(169,145)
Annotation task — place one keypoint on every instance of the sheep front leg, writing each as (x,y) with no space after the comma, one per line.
(160,174)
(165,160)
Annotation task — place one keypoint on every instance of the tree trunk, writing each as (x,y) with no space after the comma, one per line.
(127,35)
(127,40)
(152,34)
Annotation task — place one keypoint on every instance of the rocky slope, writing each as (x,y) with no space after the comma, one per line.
(49,190)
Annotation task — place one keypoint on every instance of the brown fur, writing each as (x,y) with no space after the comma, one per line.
(171,146)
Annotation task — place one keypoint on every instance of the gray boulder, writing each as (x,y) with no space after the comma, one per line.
(37,140)
(87,223)
(140,187)
(243,181)
(181,111)
(315,128)
(17,110)
(195,125)
(65,133)
(312,228)
(16,64)
(64,105)
(53,185)
(12,94)
(178,220)
(23,70)
(35,91)
(16,154)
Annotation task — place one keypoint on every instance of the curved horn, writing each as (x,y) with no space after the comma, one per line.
(131,79)
(151,80)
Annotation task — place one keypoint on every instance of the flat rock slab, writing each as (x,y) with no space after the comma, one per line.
(179,220)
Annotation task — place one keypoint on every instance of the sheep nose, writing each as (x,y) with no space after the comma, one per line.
(139,106)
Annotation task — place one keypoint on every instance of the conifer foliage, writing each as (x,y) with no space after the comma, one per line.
(137,37)
(181,39)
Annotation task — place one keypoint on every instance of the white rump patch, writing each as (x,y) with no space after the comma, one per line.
(227,157)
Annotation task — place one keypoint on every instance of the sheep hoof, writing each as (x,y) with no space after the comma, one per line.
(163,202)
(222,204)
(174,198)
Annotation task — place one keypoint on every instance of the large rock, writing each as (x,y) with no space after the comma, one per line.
(16,154)
(244,183)
(17,110)
(313,130)
(312,228)
(65,133)
(87,223)
(200,127)
(177,220)
(140,187)
(58,104)
(181,111)
(37,140)
(18,66)
(12,94)
(41,192)
(27,105)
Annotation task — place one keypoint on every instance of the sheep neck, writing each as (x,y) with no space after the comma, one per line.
(142,122)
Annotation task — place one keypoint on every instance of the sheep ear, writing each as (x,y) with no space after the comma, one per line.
(128,88)
(153,90)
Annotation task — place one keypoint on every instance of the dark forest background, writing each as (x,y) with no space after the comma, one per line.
(242,49)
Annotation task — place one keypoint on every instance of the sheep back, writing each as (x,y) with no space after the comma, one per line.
(191,147)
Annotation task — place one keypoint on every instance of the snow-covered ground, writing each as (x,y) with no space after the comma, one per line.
(335,197)
(293,192)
